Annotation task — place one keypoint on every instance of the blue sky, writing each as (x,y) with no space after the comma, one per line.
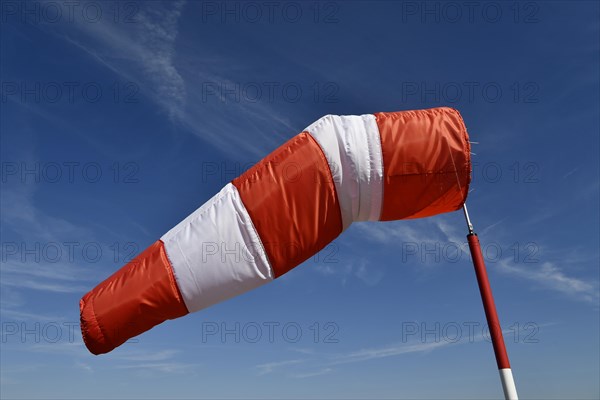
(119,119)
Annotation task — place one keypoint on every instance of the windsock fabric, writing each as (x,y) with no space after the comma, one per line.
(287,207)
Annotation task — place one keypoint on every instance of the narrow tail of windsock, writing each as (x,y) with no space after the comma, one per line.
(287,207)
(506,377)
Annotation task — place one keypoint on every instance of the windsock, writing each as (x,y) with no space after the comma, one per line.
(283,210)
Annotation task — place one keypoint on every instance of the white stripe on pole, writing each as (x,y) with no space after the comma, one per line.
(508,384)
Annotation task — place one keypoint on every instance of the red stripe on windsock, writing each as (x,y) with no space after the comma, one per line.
(137,297)
(426,162)
(291,198)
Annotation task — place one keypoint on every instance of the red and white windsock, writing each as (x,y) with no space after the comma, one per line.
(341,169)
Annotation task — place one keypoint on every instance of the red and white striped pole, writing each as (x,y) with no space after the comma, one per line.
(508,383)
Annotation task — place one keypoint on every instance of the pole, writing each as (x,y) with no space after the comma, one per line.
(506,377)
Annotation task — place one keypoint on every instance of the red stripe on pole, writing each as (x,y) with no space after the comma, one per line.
(488,302)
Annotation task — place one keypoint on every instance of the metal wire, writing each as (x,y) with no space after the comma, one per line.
(469,224)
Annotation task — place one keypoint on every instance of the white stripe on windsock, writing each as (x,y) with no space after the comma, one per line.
(508,384)
(216,252)
(352,146)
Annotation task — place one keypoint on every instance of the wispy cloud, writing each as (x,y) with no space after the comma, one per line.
(162,367)
(19,212)
(175,82)
(147,356)
(550,276)
(388,351)
(491,226)
(157,34)
(84,366)
(41,271)
(303,350)
(268,368)
(389,232)
(571,172)
(20,371)
(24,263)
(18,315)
(368,273)
(148,361)
(452,228)
(399,349)
(447,228)
(70,347)
(36,284)
(303,375)
(371,275)
(146,44)
(323,363)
